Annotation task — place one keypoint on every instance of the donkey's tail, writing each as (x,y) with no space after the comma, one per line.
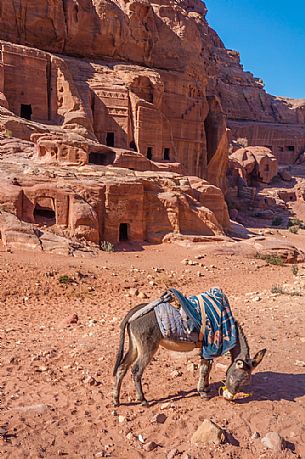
(120,352)
(123,325)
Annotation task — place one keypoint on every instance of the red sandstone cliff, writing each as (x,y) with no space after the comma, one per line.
(135,84)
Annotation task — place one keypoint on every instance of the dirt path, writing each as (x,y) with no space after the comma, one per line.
(55,380)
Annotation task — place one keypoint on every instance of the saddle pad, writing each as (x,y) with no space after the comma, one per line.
(173,323)
(220,334)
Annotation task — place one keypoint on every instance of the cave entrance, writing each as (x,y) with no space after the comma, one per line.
(149,153)
(166,154)
(110,139)
(26,111)
(133,146)
(44,215)
(210,128)
(101,159)
(123,232)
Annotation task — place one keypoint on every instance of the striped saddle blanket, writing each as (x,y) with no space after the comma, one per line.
(184,322)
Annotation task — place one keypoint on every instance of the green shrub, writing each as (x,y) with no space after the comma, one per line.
(107,246)
(271,259)
(296,222)
(294,293)
(65,279)
(294,229)
(277,289)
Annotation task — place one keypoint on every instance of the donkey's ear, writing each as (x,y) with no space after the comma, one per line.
(258,358)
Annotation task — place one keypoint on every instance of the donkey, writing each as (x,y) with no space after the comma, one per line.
(145,338)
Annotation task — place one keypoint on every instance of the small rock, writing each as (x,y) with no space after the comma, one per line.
(142,295)
(159,418)
(192,263)
(90,380)
(172,453)
(185,261)
(150,446)
(165,405)
(255,436)
(130,436)
(299,363)
(186,456)
(158,270)
(70,320)
(257,298)
(92,323)
(192,367)
(141,438)
(133,292)
(102,454)
(121,419)
(176,374)
(42,369)
(274,441)
(208,432)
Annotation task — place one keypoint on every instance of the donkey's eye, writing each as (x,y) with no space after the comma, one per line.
(240,364)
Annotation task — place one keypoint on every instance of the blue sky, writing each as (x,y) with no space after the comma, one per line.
(270,36)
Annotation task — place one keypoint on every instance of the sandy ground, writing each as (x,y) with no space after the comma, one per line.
(56,380)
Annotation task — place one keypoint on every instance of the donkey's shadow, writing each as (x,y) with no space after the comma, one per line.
(267,385)
(274,386)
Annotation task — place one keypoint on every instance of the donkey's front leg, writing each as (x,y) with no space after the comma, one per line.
(204,377)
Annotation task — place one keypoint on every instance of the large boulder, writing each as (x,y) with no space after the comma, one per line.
(258,163)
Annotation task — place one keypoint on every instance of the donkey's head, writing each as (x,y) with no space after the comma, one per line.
(239,372)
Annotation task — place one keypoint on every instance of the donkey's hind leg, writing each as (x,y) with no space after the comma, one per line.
(128,360)
(138,369)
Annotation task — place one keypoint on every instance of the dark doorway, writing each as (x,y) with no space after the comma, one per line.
(123,232)
(166,154)
(133,146)
(110,139)
(26,111)
(44,215)
(149,153)
(101,159)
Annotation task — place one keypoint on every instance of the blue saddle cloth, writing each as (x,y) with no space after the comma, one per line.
(220,334)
